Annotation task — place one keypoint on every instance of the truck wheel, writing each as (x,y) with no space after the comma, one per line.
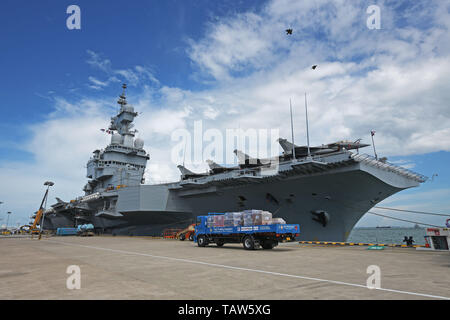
(182,237)
(191,237)
(201,241)
(267,245)
(249,243)
(220,243)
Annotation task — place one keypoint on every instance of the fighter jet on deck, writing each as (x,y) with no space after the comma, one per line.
(216,168)
(245,161)
(187,174)
(347,145)
(302,151)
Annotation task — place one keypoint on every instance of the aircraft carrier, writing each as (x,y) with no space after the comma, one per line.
(325,189)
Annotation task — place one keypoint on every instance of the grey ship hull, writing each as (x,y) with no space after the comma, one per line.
(346,188)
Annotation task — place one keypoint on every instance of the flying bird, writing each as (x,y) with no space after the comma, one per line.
(314,67)
(289,31)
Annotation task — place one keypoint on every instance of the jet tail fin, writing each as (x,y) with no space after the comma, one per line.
(245,159)
(185,172)
(212,165)
(286,145)
(58,200)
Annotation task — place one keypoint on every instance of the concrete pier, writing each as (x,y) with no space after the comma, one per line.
(144,268)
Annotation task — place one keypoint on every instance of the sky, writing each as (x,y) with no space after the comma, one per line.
(231,65)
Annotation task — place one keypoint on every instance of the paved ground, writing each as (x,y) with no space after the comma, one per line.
(143,268)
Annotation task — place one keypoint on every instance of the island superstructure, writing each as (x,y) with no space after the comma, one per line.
(325,189)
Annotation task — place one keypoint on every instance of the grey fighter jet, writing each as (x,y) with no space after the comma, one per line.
(302,151)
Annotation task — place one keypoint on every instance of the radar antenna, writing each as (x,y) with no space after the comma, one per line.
(123,98)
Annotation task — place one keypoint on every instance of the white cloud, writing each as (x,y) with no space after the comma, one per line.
(97,61)
(97,84)
(133,76)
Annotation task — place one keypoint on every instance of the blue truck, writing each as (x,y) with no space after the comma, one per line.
(251,236)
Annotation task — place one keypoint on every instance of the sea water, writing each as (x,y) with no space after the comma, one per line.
(394,235)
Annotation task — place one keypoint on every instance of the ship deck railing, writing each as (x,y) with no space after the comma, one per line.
(372,161)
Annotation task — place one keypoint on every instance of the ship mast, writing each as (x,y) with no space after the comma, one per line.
(123,98)
(307,128)
(292,132)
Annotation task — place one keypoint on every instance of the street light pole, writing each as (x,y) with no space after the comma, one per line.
(7,220)
(1,218)
(48,184)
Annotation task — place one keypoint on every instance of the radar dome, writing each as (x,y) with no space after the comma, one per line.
(116,139)
(139,143)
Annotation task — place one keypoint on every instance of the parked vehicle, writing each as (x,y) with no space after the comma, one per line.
(252,228)
(85,230)
(187,233)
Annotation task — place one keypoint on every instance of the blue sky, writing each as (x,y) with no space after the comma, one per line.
(43,59)
(221,61)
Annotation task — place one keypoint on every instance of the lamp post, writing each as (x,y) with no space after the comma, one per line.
(7,220)
(48,184)
(1,202)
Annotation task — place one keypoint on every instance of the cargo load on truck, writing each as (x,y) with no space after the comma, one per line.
(243,218)
(253,228)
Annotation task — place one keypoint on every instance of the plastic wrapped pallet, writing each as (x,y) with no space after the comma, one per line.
(278,221)
(238,219)
(228,219)
(210,222)
(252,217)
(219,220)
(266,217)
(248,220)
(257,218)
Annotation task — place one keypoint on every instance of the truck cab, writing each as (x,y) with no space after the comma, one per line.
(200,226)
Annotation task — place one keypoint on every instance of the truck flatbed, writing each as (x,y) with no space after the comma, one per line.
(271,228)
(267,236)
